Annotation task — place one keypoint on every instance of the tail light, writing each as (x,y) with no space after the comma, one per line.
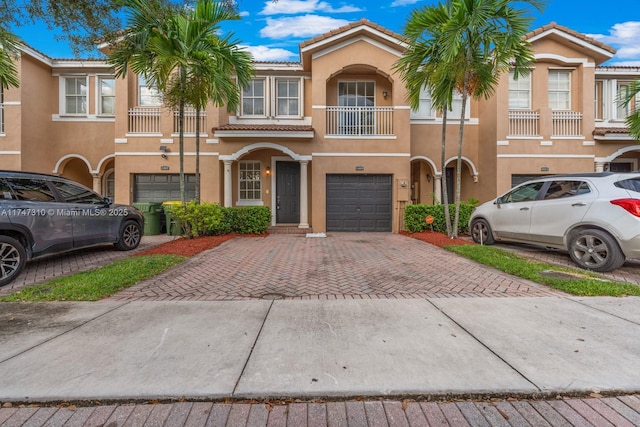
(630,205)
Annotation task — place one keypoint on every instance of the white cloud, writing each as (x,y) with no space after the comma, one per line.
(244,14)
(395,3)
(293,7)
(268,54)
(300,26)
(625,37)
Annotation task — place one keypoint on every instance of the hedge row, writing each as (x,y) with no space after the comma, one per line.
(415,217)
(207,219)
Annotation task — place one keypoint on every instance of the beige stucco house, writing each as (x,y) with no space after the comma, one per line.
(328,143)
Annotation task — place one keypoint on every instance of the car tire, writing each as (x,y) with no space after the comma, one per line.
(130,236)
(595,250)
(13,258)
(481,232)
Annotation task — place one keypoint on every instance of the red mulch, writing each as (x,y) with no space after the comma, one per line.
(190,247)
(438,239)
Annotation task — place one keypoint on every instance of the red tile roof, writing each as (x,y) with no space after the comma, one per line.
(348,27)
(265,128)
(604,131)
(571,32)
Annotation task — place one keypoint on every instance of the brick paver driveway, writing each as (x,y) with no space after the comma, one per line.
(342,265)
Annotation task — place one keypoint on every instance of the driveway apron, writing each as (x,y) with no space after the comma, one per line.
(340,266)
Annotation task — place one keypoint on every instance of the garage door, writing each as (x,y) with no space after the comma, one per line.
(160,187)
(359,202)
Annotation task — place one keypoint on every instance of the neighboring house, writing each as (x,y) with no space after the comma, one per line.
(328,142)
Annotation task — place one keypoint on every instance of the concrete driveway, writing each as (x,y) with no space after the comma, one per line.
(340,266)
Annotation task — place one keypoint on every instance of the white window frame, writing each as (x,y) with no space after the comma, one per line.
(622,110)
(242,168)
(151,99)
(64,95)
(425,106)
(558,90)
(100,96)
(366,96)
(277,97)
(265,96)
(599,90)
(519,87)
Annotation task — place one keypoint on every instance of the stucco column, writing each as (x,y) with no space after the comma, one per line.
(228,200)
(304,209)
(437,187)
(97,182)
(600,166)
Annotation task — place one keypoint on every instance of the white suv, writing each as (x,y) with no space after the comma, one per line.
(594,216)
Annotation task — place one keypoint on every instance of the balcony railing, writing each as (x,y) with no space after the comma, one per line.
(190,121)
(144,120)
(524,123)
(360,121)
(567,123)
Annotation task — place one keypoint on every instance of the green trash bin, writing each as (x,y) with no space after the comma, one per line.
(151,212)
(173,227)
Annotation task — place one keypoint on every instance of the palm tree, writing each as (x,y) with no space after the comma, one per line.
(9,51)
(181,52)
(472,43)
(631,98)
(420,68)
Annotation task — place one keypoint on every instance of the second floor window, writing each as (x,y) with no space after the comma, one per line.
(624,111)
(148,94)
(107,87)
(288,103)
(75,95)
(253,98)
(559,90)
(456,106)
(425,108)
(361,94)
(519,92)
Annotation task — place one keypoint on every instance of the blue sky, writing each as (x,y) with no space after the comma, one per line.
(273,30)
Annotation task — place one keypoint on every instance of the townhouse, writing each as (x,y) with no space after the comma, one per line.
(329,143)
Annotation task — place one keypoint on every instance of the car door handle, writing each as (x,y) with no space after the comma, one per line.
(524,209)
(579,204)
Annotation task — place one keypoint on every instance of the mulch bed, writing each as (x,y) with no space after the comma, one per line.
(438,239)
(191,247)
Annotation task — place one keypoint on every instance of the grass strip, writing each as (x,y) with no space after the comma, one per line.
(579,282)
(96,284)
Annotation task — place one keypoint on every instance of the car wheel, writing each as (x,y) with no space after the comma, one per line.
(13,257)
(481,232)
(130,236)
(595,250)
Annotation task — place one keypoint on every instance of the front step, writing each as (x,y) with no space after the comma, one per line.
(288,229)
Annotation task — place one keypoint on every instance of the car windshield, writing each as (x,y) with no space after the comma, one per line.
(632,184)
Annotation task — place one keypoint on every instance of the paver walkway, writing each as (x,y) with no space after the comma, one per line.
(619,411)
(342,265)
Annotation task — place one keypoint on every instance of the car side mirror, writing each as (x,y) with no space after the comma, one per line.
(107,201)
(498,201)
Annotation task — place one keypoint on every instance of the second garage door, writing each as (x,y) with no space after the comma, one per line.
(149,187)
(359,202)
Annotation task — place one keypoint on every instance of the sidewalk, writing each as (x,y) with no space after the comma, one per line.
(419,324)
(270,350)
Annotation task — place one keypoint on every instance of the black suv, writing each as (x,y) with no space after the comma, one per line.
(44,214)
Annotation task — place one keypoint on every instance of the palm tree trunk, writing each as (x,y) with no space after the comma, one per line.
(181,139)
(198,155)
(465,91)
(443,168)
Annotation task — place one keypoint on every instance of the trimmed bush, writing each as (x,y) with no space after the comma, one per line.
(414,217)
(196,219)
(245,220)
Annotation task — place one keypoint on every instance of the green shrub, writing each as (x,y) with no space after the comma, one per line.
(196,219)
(415,215)
(245,220)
